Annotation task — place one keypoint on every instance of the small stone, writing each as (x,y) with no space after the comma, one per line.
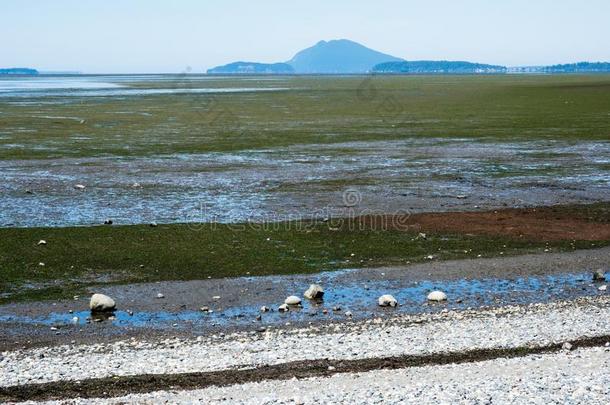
(599,275)
(437,296)
(75,320)
(567,346)
(129,312)
(387,301)
(283,308)
(153,224)
(216,297)
(331,368)
(205,309)
(41,264)
(336,308)
(159,295)
(348,314)
(265,308)
(292,300)
(79,186)
(314,291)
(259,318)
(602,288)
(108,222)
(101,303)
(42,242)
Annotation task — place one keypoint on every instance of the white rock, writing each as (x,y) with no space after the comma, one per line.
(283,308)
(79,186)
(348,314)
(101,303)
(603,288)
(75,320)
(42,242)
(567,346)
(292,300)
(387,301)
(160,295)
(437,296)
(264,308)
(314,291)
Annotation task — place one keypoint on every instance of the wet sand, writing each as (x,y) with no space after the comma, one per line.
(305,181)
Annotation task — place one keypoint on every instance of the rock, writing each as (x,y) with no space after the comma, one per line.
(101,303)
(205,309)
(348,314)
(599,275)
(216,297)
(259,318)
(41,264)
(283,308)
(42,242)
(314,292)
(264,308)
(108,222)
(79,186)
(387,301)
(292,300)
(160,296)
(75,320)
(603,288)
(153,224)
(437,296)
(567,346)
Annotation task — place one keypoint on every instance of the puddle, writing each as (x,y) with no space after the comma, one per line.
(358,297)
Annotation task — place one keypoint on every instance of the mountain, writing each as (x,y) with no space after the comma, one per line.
(338,56)
(430,66)
(252,68)
(18,71)
(325,57)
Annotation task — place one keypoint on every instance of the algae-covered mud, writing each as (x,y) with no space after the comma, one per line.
(188,148)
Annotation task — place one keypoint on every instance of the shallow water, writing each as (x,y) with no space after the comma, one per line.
(302,181)
(360,299)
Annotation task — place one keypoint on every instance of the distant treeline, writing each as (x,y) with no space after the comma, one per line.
(18,71)
(581,67)
(430,66)
(253,68)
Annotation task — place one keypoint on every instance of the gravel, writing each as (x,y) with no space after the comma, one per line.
(513,326)
(578,377)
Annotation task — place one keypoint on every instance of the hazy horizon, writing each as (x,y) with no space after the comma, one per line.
(157,37)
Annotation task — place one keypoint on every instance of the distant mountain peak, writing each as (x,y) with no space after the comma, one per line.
(338,56)
(341,56)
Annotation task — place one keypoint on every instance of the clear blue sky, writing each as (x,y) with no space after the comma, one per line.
(167,36)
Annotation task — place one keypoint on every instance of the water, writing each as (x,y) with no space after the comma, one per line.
(110,86)
(359,298)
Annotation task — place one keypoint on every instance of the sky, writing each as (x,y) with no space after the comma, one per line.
(150,36)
